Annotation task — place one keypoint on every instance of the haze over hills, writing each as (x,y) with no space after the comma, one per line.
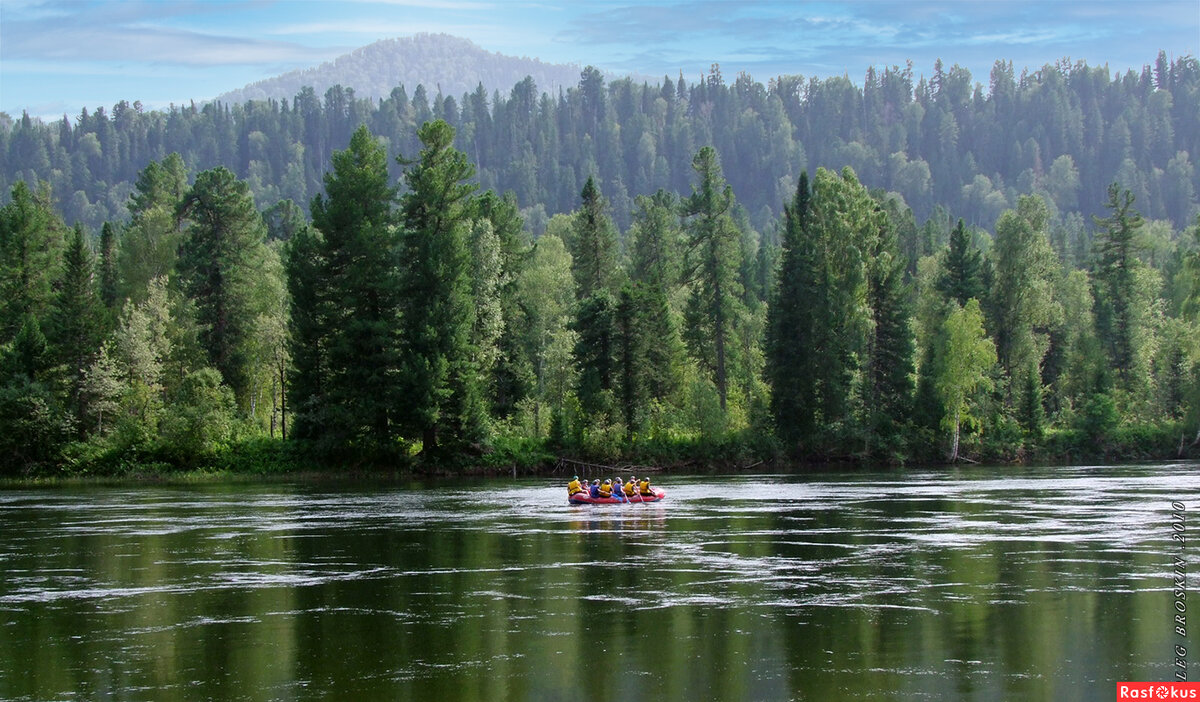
(438,61)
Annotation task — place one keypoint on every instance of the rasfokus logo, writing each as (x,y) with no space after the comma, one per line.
(1158,691)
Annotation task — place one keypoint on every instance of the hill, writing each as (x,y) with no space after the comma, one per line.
(437,61)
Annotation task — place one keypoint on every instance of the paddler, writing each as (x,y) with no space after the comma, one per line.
(630,488)
(573,487)
(606,489)
(594,491)
(644,488)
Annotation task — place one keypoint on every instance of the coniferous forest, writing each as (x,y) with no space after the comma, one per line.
(703,271)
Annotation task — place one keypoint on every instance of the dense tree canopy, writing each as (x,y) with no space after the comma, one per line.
(611,303)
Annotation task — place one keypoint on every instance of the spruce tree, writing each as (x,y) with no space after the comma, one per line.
(594,254)
(962,276)
(220,261)
(442,380)
(716,258)
(32,238)
(108,266)
(76,319)
(891,346)
(1116,263)
(346,302)
(791,330)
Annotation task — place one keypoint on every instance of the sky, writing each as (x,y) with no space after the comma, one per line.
(58,56)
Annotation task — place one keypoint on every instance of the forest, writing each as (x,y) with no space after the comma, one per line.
(686,273)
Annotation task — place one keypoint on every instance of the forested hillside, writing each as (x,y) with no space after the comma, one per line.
(624,272)
(1064,132)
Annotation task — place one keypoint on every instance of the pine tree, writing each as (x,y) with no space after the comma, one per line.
(1114,274)
(594,253)
(31,244)
(346,302)
(76,320)
(891,347)
(108,266)
(962,277)
(220,260)
(443,389)
(716,259)
(791,330)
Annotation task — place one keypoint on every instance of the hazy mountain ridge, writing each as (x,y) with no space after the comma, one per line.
(438,61)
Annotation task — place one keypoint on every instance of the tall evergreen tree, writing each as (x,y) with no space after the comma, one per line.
(32,238)
(962,276)
(76,319)
(791,331)
(346,302)
(149,246)
(715,260)
(595,350)
(594,253)
(220,261)
(1114,274)
(891,347)
(108,266)
(443,388)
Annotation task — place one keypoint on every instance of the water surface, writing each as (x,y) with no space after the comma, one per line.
(984,584)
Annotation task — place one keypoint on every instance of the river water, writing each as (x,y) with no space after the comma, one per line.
(980,584)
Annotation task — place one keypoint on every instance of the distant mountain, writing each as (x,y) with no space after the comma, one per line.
(453,64)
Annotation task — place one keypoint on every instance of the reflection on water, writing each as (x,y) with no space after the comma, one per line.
(983,584)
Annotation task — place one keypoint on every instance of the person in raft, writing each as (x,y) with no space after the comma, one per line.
(606,489)
(573,487)
(594,491)
(630,488)
(618,489)
(644,488)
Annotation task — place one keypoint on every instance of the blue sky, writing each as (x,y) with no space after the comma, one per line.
(57,56)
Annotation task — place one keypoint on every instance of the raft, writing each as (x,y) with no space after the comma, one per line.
(582,498)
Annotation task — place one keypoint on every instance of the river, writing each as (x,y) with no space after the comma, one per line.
(975,584)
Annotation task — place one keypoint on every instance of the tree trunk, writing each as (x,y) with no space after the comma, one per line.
(719,328)
(954,441)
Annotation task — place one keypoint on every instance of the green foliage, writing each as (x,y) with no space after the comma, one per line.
(962,365)
(202,420)
(594,244)
(714,304)
(435,320)
(221,262)
(1115,268)
(446,402)
(32,239)
(346,299)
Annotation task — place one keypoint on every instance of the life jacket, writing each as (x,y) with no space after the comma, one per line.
(574,488)
(644,488)
(630,489)
(605,490)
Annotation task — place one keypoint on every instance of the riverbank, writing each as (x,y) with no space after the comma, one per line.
(266,458)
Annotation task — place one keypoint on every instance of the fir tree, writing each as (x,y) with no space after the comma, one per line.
(76,320)
(715,261)
(446,403)
(220,260)
(346,301)
(1115,269)
(962,276)
(791,330)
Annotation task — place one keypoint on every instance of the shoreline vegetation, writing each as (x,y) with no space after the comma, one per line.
(267,459)
(411,321)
